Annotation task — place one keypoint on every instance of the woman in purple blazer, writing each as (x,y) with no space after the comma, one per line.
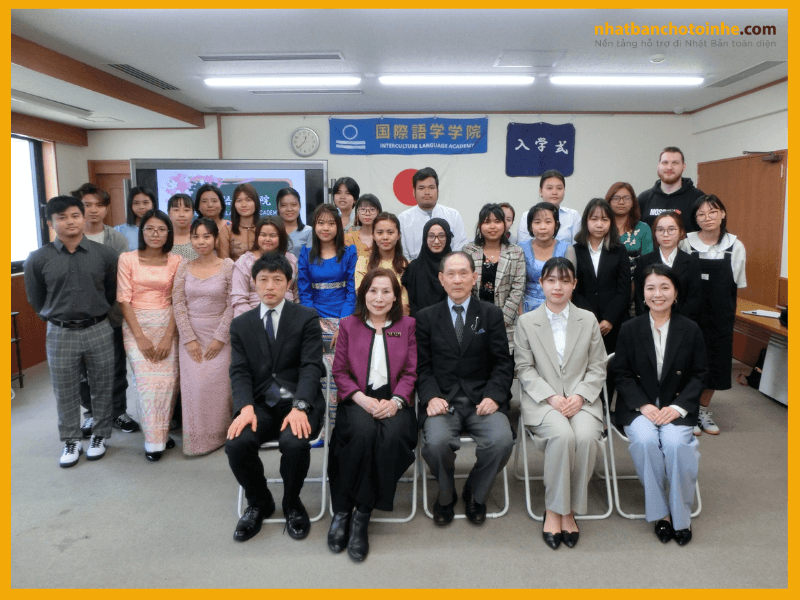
(373,443)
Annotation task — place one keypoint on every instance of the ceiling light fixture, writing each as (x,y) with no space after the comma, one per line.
(448,80)
(286,81)
(67,109)
(625,80)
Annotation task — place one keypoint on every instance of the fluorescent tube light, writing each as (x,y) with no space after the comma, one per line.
(67,109)
(463,80)
(286,81)
(625,80)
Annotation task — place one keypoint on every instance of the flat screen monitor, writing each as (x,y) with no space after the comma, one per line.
(166,177)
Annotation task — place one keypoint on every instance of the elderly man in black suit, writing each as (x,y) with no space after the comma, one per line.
(276,365)
(464,374)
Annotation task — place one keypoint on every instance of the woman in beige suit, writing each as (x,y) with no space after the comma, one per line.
(561,366)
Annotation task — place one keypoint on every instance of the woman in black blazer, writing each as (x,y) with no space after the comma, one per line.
(660,368)
(603,271)
(668,232)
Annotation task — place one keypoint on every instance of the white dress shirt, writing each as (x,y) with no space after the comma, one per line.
(660,342)
(558,323)
(454,314)
(595,255)
(569,226)
(412,222)
(669,260)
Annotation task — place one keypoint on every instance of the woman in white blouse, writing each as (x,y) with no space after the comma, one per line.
(722,272)
(375,369)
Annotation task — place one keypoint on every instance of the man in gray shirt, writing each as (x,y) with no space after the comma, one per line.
(95,203)
(72,284)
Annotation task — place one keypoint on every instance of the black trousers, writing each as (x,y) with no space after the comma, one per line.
(119,398)
(367,456)
(295,452)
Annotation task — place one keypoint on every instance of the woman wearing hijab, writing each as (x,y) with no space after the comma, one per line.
(421,278)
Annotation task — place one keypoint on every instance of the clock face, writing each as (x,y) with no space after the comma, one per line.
(305,141)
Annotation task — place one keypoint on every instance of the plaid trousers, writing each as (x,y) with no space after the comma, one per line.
(66,349)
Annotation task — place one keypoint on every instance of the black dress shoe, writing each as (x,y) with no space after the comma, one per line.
(250,523)
(170,443)
(358,545)
(551,539)
(442,515)
(570,538)
(683,536)
(297,522)
(476,512)
(339,531)
(664,531)
(156,456)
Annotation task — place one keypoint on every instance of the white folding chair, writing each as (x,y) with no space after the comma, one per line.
(612,431)
(465,439)
(523,433)
(322,439)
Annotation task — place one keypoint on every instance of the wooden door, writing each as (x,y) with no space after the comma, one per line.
(754,191)
(110,175)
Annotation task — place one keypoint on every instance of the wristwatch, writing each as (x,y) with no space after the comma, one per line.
(400,403)
(301,405)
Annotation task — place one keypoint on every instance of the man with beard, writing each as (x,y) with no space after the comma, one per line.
(671,191)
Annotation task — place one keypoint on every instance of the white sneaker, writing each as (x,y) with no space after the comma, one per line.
(697,430)
(706,423)
(97,448)
(71,453)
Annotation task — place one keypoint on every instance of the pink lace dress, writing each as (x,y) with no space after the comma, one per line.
(203,313)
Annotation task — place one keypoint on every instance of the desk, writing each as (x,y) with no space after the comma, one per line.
(774,376)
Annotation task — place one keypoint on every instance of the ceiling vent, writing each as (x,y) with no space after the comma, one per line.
(142,76)
(272,57)
(221,109)
(316,91)
(536,59)
(746,73)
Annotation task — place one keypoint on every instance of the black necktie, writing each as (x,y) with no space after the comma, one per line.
(459,322)
(270,328)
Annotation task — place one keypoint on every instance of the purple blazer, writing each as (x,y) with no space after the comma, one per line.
(351,361)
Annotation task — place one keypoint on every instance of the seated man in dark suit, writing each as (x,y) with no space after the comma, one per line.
(276,365)
(464,374)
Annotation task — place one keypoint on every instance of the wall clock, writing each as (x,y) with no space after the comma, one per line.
(305,141)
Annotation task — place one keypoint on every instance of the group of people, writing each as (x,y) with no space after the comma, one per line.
(238,316)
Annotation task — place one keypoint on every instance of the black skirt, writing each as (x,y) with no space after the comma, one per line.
(367,456)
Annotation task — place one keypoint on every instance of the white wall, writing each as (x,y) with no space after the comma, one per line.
(608,149)
(758,121)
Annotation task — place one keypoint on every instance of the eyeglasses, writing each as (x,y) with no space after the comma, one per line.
(621,199)
(440,237)
(366,210)
(707,216)
(668,230)
(159,231)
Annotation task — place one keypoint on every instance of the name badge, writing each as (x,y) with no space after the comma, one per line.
(704,276)
(393,333)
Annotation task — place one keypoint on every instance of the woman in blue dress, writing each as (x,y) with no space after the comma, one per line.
(325,271)
(543,226)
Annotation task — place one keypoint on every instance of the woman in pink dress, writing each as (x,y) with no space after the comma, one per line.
(144,293)
(271,236)
(201,300)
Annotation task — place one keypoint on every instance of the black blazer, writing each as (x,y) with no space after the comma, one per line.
(683,373)
(296,364)
(607,294)
(687,268)
(481,367)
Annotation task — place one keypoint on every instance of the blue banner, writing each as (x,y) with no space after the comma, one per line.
(533,148)
(408,136)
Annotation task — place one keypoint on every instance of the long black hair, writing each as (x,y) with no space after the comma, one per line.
(490,209)
(161,216)
(289,191)
(248,190)
(713,202)
(135,191)
(314,254)
(611,240)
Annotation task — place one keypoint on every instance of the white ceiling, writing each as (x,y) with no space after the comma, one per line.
(167,43)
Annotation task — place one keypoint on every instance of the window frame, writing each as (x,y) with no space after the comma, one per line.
(39,194)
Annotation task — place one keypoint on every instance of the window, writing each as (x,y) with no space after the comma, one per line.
(30,229)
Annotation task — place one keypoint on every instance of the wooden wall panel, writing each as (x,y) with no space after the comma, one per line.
(32,330)
(783,292)
(43,129)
